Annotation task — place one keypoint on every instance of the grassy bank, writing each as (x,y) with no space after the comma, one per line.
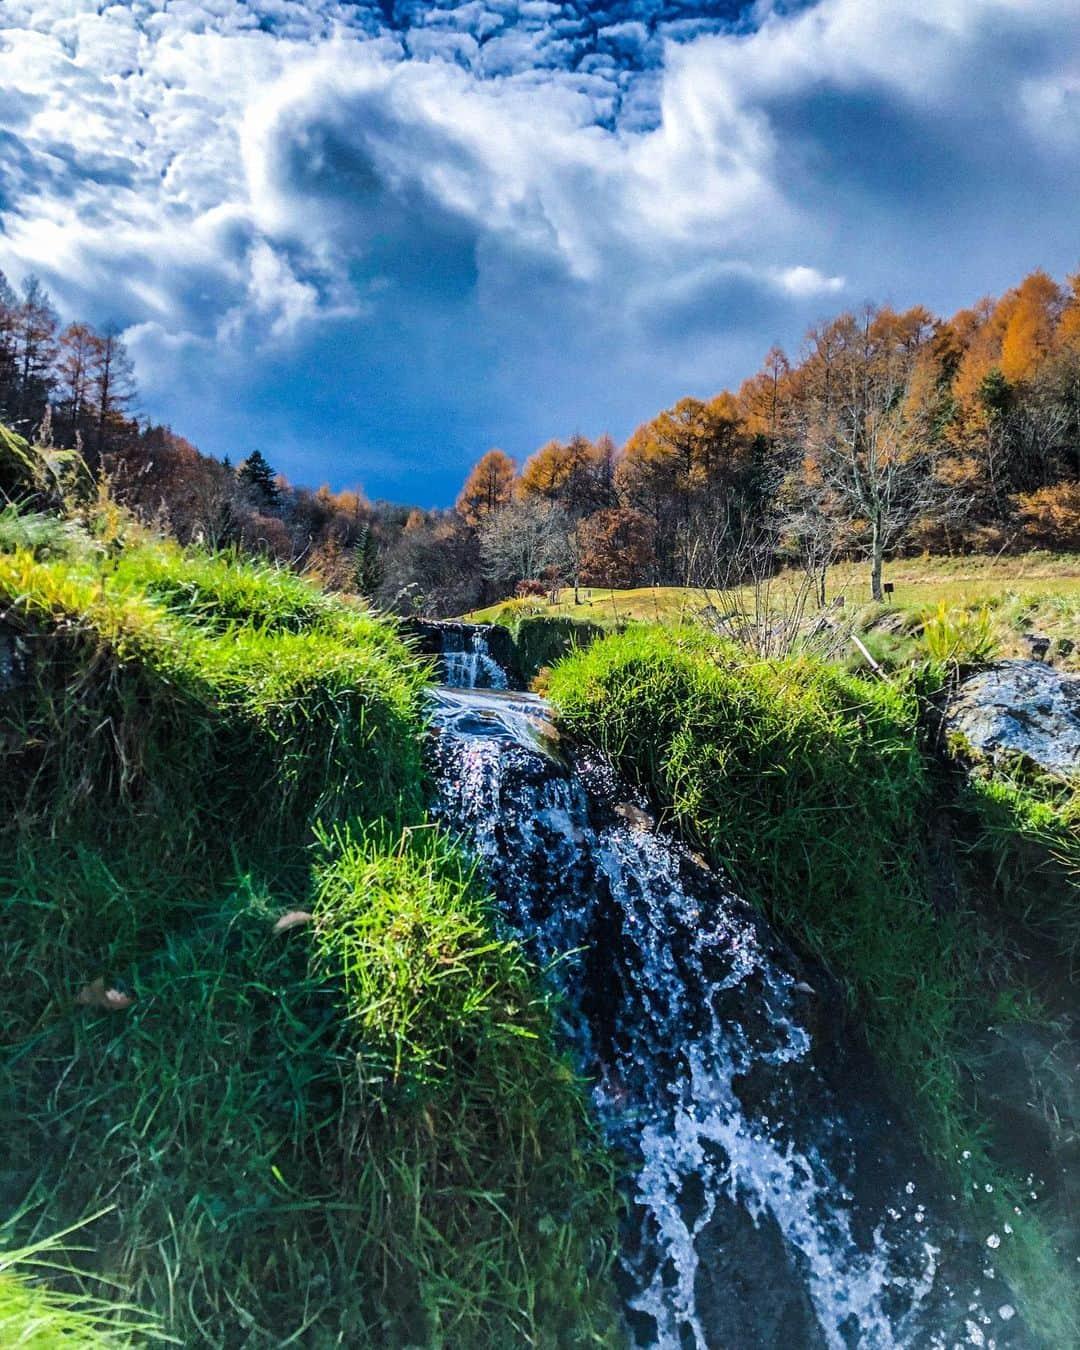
(814,789)
(253,1005)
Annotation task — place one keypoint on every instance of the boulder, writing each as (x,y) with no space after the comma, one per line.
(1020,708)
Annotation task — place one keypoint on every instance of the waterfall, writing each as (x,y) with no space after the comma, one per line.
(775,1201)
(466,660)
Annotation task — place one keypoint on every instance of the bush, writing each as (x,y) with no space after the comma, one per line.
(1050,517)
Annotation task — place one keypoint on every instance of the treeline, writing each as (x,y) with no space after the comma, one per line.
(890,431)
(74,387)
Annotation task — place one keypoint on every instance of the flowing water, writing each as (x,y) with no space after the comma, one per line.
(774,1201)
(466,659)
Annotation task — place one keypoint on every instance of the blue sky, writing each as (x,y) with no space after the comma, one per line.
(376,239)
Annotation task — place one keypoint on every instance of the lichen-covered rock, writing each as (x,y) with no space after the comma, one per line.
(1020,708)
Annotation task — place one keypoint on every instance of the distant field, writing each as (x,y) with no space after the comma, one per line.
(1033,592)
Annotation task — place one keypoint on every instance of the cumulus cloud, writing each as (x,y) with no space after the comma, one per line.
(465,186)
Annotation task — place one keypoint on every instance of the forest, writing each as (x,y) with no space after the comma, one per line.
(889,432)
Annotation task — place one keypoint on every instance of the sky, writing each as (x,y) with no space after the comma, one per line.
(375,239)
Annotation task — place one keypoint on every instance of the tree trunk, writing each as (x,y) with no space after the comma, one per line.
(877,552)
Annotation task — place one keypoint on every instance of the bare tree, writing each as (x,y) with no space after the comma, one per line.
(868,450)
(526,539)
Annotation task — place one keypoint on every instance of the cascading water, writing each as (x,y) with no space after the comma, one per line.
(466,660)
(772,1204)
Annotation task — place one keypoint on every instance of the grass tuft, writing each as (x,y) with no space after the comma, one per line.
(354,1130)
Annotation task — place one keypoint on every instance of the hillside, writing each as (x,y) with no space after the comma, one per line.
(258,1031)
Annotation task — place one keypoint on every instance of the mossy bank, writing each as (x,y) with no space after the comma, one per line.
(256,1018)
(923,893)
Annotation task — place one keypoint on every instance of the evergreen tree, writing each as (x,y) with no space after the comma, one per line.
(257,474)
(367,569)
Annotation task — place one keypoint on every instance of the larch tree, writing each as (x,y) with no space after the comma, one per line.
(488,487)
(616,548)
(35,325)
(112,381)
(77,352)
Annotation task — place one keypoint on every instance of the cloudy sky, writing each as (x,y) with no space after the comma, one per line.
(374,239)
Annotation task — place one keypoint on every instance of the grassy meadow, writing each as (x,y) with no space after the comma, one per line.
(1012,596)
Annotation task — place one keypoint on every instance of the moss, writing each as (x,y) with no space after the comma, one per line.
(352,1129)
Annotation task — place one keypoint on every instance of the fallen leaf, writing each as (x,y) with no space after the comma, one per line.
(296,918)
(97,994)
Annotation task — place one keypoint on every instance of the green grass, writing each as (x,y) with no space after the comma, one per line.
(1016,594)
(355,1129)
(35,1315)
(814,790)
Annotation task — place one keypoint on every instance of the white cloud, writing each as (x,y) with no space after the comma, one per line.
(806,282)
(257,168)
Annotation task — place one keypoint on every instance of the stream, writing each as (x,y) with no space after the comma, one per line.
(775,1198)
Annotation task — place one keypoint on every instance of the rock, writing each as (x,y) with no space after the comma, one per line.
(634,816)
(1038,644)
(434,636)
(1020,708)
(10,664)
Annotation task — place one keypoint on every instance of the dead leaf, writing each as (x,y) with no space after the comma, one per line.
(296,918)
(97,994)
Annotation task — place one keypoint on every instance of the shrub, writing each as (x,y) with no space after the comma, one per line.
(1050,517)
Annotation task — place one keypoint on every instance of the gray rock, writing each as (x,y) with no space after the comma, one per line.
(1021,707)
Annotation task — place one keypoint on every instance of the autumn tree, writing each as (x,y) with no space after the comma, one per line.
(488,487)
(34,325)
(112,383)
(616,548)
(1050,517)
(431,565)
(1029,328)
(9,367)
(687,471)
(77,354)
(866,444)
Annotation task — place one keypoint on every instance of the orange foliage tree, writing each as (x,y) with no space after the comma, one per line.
(489,486)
